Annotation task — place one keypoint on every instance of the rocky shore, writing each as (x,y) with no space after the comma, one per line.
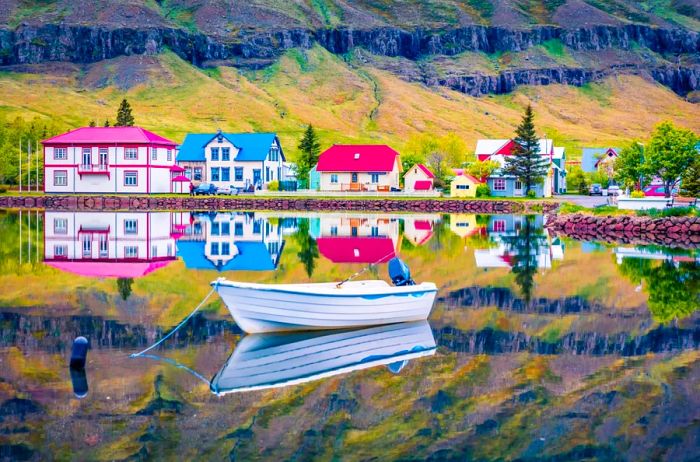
(669,231)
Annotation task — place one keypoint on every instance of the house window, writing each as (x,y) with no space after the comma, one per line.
(225,174)
(375,177)
(131,226)
(375,231)
(60,178)
(256,227)
(131,154)
(188,172)
(170,155)
(499,184)
(169,250)
(462,224)
(353,231)
(225,248)
(214,153)
(104,246)
(60,226)
(198,173)
(87,156)
(131,178)
(87,246)
(225,228)
(154,251)
(215,174)
(154,154)
(274,153)
(499,226)
(463,186)
(215,229)
(214,248)
(225,153)
(104,156)
(238,229)
(60,250)
(518,184)
(334,230)
(131,251)
(60,154)
(334,178)
(238,173)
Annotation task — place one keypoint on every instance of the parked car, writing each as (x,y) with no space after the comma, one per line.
(658,190)
(595,190)
(230,191)
(205,189)
(614,190)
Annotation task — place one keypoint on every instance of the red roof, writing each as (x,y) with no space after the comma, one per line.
(356,249)
(426,170)
(357,158)
(423,225)
(124,135)
(423,185)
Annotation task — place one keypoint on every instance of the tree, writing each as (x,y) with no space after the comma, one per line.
(526,163)
(107,123)
(576,180)
(410,159)
(92,123)
(525,246)
(483,169)
(670,153)
(124,116)
(308,252)
(690,181)
(309,150)
(629,166)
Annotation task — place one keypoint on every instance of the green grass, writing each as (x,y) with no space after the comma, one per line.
(670,212)
(601,92)
(555,48)
(29,9)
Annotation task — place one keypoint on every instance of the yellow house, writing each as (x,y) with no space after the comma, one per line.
(463,224)
(464,185)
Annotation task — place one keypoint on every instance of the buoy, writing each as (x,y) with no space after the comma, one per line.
(78,356)
(80,383)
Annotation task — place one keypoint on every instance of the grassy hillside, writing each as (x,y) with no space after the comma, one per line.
(346,100)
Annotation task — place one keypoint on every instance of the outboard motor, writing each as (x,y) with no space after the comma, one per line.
(399,273)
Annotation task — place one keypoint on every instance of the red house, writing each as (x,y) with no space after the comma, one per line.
(355,167)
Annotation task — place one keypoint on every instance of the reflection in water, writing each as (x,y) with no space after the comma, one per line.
(356,238)
(262,361)
(308,248)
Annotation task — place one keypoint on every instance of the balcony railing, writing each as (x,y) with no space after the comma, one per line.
(93,169)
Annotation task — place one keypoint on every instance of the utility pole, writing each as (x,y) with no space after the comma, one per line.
(36,149)
(20,167)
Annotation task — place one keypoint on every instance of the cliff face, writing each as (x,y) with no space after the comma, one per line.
(80,44)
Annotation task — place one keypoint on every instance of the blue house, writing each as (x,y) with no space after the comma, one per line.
(241,160)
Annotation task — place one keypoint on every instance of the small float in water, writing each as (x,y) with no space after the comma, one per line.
(273,360)
(259,308)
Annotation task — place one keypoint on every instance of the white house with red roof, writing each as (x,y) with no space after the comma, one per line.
(354,167)
(418,178)
(505,185)
(356,238)
(109,160)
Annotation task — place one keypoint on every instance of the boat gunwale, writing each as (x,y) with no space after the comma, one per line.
(403,290)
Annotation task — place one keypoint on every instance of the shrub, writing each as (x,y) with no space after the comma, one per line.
(669,212)
(637,195)
(273,186)
(3,189)
(483,190)
(531,194)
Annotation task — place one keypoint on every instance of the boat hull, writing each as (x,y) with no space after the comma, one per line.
(259,308)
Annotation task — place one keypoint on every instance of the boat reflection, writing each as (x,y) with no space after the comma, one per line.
(262,361)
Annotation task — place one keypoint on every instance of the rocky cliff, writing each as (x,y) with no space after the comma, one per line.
(82,44)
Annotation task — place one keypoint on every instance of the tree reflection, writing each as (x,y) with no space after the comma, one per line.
(673,288)
(524,247)
(124,287)
(308,252)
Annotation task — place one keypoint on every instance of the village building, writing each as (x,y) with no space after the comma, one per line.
(419,229)
(464,185)
(418,178)
(599,159)
(359,168)
(127,160)
(241,160)
(504,185)
(108,244)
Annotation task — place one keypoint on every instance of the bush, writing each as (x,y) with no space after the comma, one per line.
(3,189)
(273,186)
(531,194)
(637,195)
(483,190)
(669,212)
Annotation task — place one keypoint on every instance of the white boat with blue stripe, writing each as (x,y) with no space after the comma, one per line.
(258,308)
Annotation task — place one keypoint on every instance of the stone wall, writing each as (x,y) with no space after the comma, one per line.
(671,231)
(256,203)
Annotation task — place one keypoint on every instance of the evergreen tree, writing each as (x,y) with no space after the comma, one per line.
(309,150)
(690,181)
(107,123)
(525,247)
(124,287)
(526,163)
(93,123)
(308,252)
(124,116)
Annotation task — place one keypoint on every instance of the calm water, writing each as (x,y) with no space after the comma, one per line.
(547,348)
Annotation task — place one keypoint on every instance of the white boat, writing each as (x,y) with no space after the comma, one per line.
(260,308)
(263,361)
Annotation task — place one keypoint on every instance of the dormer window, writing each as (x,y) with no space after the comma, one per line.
(219,136)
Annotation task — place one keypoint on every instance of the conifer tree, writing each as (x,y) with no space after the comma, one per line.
(93,123)
(124,116)
(690,181)
(309,150)
(526,163)
(107,123)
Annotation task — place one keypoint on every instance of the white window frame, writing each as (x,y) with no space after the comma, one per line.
(131,174)
(499,184)
(60,229)
(131,153)
(131,226)
(60,250)
(131,251)
(60,153)
(154,153)
(60,174)
(334,178)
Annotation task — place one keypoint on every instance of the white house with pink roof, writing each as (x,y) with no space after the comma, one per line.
(418,178)
(110,160)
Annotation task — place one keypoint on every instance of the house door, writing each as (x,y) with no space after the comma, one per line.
(87,157)
(257,175)
(354,178)
(518,190)
(103,157)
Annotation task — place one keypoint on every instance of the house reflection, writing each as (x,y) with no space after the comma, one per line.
(230,241)
(108,244)
(356,238)
(419,229)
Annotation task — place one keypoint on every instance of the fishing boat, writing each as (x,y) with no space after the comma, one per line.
(272,360)
(259,308)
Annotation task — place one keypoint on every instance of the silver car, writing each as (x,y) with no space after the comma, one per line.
(230,191)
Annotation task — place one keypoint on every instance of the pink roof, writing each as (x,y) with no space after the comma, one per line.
(357,158)
(426,170)
(181,179)
(177,168)
(423,185)
(356,249)
(424,225)
(101,269)
(123,135)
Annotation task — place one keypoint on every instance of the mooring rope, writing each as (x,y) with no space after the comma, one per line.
(340,284)
(182,323)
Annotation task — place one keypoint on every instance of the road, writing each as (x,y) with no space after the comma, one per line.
(586,201)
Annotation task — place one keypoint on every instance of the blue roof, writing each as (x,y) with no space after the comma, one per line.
(252,146)
(253,256)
